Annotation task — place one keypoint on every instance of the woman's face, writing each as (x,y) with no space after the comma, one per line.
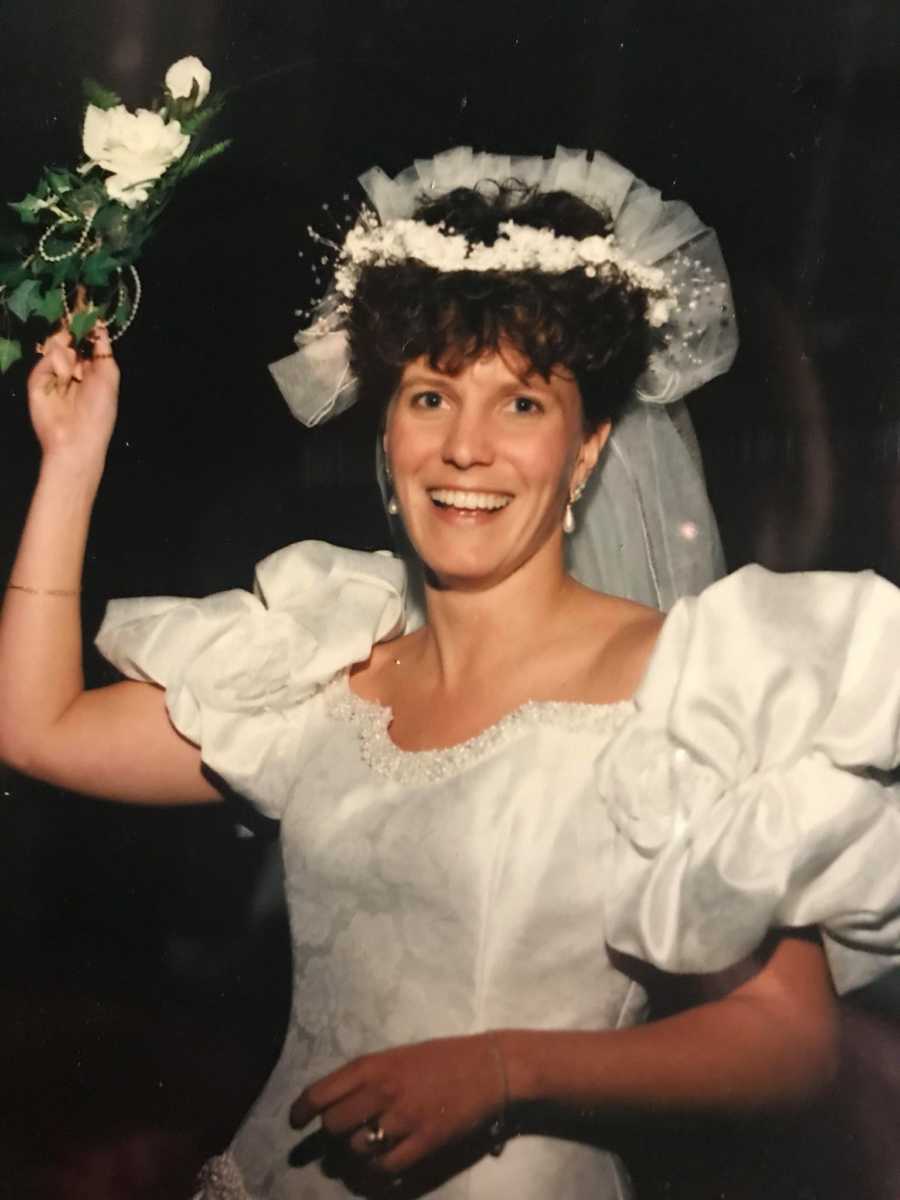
(483,462)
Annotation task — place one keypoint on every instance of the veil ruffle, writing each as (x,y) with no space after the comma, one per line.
(645,526)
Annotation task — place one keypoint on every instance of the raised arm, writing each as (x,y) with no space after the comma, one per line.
(115,742)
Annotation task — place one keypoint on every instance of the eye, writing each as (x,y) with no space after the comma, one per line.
(429,399)
(526,405)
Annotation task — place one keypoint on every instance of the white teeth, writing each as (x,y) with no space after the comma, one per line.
(454,499)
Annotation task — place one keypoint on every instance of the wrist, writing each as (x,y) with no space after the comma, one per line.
(76,475)
(519,1075)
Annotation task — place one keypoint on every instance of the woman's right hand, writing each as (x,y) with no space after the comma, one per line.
(73,400)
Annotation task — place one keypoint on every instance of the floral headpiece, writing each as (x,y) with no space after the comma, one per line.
(517,248)
(84,229)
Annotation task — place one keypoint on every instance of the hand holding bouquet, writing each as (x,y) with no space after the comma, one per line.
(82,230)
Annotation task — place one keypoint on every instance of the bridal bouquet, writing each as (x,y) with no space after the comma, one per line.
(79,233)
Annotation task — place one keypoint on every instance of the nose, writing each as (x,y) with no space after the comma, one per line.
(468,441)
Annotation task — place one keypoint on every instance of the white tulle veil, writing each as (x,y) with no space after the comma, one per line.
(645,528)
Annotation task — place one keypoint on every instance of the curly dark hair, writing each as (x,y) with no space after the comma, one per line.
(593,325)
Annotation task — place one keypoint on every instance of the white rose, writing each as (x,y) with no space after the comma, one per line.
(181,75)
(136,148)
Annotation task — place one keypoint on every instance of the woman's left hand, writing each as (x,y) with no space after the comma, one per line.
(399,1106)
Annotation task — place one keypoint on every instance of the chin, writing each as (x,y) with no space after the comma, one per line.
(448,574)
(471,558)
(452,570)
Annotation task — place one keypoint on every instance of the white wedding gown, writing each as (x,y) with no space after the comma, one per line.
(444,892)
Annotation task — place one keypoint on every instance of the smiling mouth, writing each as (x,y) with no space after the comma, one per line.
(468,501)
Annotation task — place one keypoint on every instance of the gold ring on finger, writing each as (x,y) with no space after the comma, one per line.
(375,1135)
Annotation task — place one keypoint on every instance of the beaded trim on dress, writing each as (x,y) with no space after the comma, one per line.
(384,757)
(220,1179)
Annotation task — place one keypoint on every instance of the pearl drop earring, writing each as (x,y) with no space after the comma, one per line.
(569,516)
(393,508)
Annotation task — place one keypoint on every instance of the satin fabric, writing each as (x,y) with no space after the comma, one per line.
(445,892)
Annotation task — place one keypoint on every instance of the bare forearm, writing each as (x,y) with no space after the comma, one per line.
(40,628)
(694,1062)
(758,1048)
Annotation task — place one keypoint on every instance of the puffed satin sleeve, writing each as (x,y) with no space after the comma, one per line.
(239,668)
(752,789)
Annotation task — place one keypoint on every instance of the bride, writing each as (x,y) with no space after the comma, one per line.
(487,817)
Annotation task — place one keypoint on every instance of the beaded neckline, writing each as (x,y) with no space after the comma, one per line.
(379,751)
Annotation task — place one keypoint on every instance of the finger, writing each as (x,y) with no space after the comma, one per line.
(59,337)
(349,1114)
(56,369)
(403,1155)
(328,1090)
(102,362)
(67,365)
(45,349)
(101,343)
(380,1137)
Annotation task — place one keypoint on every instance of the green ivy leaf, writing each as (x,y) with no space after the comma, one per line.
(97,268)
(12,274)
(64,272)
(83,322)
(113,221)
(51,306)
(10,352)
(104,217)
(27,210)
(122,313)
(24,299)
(59,179)
(98,95)
(58,246)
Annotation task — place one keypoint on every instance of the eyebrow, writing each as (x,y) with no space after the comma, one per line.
(532,384)
(418,380)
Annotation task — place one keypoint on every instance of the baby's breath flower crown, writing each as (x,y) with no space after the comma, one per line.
(517,248)
(80,232)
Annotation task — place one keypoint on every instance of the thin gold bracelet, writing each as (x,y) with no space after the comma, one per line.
(20,587)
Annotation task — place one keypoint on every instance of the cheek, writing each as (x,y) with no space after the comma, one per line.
(406,448)
(399,441)
(414,456)
(547,462)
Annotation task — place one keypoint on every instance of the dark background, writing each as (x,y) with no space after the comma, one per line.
(145,952)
